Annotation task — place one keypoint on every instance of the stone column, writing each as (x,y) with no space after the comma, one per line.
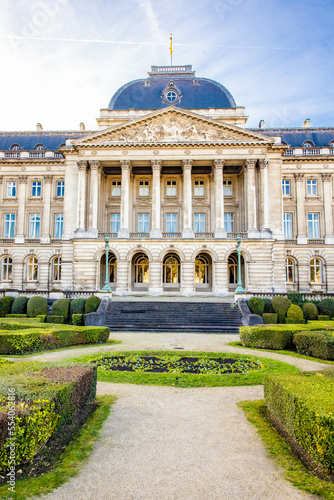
(265,218)
(155,285)
(188,231)
(301,223)
(123,277)
(251,199)
(328,195)
(21,198)
(94,202)
(47,185)
(156,169)
(82,195)
(1,190)
(125,199)
(218,166)
(187,278)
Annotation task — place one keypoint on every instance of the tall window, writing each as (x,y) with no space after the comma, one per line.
(199,188)
(315,271)
(36,188)
(60,188)
(116,188)
(199,223)
(143,223)
(141,269)
(313,226)
(287,225)
(286,187)
(201,269)
(171,223)
(59,218)
(35,224)
(11,189)
(228,223)
(143,188)
(7,269)
(171,188)
(171,269)
(227,188)
(9,226)
(56,269)
(115,223)
(311,185)
(32,269)
(290,270)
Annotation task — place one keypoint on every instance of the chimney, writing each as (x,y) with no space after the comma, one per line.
(262,124)
(39,127)
(82,126)
(307,123)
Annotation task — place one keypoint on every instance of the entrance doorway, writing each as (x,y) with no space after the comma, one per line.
(233,271)
(112,271)
(203,272)
(171,272)
(140,272)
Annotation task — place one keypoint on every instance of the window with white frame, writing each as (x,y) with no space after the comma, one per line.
(116,188)
(286,191)
(9,231)
(228,223)
(60,188)
(199,223)
(171,188)
(6,269)
(199,188)
(59,220)
(312,188)
(315,271)
(313,226)
(287,225)
(290,270)
(143,223)
(34,226)
(144,188)
(171,223)
(36,188)
(115,223)
(32,269)
(11,189)
(227,188)
(56,269)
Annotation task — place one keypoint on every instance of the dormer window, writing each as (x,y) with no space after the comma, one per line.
(40,147)
(15,147)
(308,145)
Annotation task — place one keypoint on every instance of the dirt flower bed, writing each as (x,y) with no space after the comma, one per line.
(176,364)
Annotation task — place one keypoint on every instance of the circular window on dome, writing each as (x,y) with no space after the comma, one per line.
(171,95)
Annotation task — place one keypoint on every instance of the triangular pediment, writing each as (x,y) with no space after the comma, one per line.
(172,126)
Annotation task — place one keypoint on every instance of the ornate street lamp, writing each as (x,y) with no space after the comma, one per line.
(240,288)
(106,287)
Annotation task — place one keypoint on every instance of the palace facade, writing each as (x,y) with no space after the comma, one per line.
(172,176)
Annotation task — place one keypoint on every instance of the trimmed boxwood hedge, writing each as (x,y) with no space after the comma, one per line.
(326,307)
(6,305)
(37,305)
(280,305)
(268,337)
(92,303)
(310,311)
(77,306)
(19,305)
(61,307)
(256,305)
(46,396)
(55,319)
(269,318)
(302,405)
(319,344)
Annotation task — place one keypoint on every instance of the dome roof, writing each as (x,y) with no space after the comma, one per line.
(172,86)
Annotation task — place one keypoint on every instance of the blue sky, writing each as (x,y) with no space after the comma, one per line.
(274,56)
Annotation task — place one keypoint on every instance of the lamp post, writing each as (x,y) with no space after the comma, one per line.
(240,288)
(106,287)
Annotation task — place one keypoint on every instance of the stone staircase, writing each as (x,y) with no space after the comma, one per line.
(194,317)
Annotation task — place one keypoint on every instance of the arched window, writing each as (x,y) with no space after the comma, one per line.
(32,269)
(40,147)
(315,271)
(56,269)
(141,268)
(171,269)
(112,269)
(290,270)
(15,147)
(233,269)
(202,269)
(6,269)
(308,144)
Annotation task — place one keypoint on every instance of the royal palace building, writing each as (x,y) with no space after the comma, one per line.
(173,175)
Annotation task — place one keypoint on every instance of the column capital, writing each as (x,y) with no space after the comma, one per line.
(250,164)
(47,179)
(187,165)
(299,177)
(263,163)
(82,165)
(95,165)
(218,164)
(125,165)
(23,179)
(156,164)
(326,177)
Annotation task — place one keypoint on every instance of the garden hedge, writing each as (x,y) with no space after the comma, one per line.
(302,405)
(319,344)
(19,305)
(92,303)
(61,307)
(256,305)
(37,305)
(268,307)
(326,307)
(266,337)
(310,311)
(46,396)
(6,305)
(295,313)
(269,318)
(55,319)
(77,306)
(280,305)
(78,319)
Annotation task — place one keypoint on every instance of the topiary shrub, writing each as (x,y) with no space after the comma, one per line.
(267,337)
(268,307)
(310,311)
(61,307)
(256,305)
(319,344)
(19,305)
(55,319)
(5,305)
(92,303)
(77,306)
(323,317)
(36,306)
(77,319)
(42,317)
(326,306)
(294,313)
(280,305)
(269,318)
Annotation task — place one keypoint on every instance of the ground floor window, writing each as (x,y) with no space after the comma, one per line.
(171,270)
(56,269)
(290,270)
(112,271)
(7,269)
(141,269)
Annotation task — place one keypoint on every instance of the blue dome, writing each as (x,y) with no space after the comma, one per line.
(172,86)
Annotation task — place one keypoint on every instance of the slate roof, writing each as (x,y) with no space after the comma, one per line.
(296,137)
(29,140)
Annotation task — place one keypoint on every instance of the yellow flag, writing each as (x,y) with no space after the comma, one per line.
(170,44)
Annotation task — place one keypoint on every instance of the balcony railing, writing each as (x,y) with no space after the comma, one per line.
(112,236)
(311,151)
(324,151)
(24,155)
(37,154)
(204,236)
(172,235)
(139,235)
(11,154)
(232,236)
(316,241)
(32,240)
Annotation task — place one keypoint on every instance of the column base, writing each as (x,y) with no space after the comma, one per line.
(155,233)
(155,291)
(220,233)
(19,239)
(123,233)
(188,233)
(266,234)
(329,240)
(301,240)
(253,234)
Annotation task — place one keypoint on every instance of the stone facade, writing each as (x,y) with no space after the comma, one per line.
(173,188)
